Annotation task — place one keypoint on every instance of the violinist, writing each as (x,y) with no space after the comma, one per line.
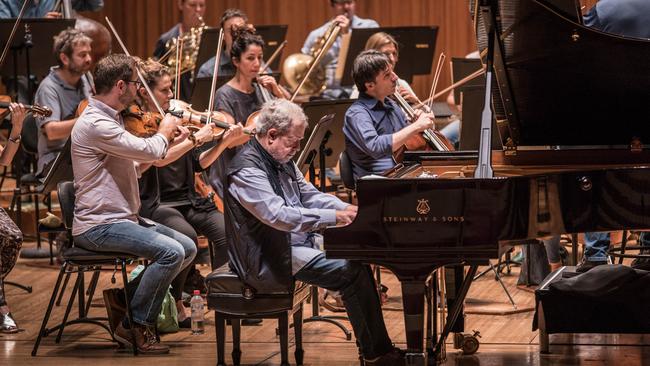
(11,239)
(242,95)
(230,20)
(192,16)
(374,125)
(62,90)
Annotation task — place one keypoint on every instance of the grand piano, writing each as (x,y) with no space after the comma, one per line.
(571,108)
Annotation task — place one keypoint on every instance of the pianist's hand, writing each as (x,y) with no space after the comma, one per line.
(345,217)
(352,208)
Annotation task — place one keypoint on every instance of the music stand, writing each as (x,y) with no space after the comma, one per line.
(40,50)
(416,44)
(316,146)
(462,67)
(336,141)
(201,89)
(273,36)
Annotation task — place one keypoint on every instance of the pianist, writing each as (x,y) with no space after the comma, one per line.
(271,210)
(374,126)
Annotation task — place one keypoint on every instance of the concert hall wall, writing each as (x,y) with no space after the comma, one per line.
(141,22)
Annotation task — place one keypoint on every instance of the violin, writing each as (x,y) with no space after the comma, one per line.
(37,110)
(140,123)
(194,119)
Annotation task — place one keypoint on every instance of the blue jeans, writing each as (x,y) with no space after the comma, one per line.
(596,246)
(355,282)
(169,251)
(452,131)
(552,247)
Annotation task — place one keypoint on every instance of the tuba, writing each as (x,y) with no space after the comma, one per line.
(189,50)
(297,66)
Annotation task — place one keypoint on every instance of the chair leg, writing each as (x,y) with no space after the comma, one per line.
(129,312)
(76,288)
(220,328)
(65,285)
(48,312)
(623,245)
(297,328)
(283,325)
(92,286)
(235,325)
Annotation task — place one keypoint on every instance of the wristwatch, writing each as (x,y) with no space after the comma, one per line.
(15,140)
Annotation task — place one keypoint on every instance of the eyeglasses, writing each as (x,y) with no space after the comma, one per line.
(137,83)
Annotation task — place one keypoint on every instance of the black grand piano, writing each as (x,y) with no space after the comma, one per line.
(572,107)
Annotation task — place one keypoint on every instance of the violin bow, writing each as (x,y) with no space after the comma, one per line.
(436,77)
(179,52)
(137,69)
(13,33)
(215,72)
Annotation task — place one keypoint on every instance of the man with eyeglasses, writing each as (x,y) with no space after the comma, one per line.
(62,91)
(106,162)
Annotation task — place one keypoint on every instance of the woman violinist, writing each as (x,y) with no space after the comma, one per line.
(167,189)
(10,237)
(245,92)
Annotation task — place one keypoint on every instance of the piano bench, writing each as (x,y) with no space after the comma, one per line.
(231,301)
(567,302)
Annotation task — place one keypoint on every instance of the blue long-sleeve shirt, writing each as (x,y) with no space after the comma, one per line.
(38,8)
(368,128)
(303,209)
(629,18)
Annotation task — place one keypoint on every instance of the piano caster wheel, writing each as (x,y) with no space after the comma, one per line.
(467,343)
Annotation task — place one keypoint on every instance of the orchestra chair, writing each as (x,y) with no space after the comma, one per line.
(345,168)
(27,184)
(232,301)
(79,260)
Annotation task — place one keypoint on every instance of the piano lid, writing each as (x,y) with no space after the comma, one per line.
(560,84)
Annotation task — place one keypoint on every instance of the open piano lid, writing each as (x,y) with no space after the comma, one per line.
(562,85)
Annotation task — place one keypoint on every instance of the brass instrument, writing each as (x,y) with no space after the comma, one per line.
(297,66)
(189,51)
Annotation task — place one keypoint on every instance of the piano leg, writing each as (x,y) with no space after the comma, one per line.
(456,309)
(413,302)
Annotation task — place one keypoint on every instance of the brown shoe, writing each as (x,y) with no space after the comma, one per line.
(145,339)
(394,357)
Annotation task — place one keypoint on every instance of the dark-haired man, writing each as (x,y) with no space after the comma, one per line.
(62,90)
(192,16)
(230,20)
(375,127)
(344,14)
(105,161)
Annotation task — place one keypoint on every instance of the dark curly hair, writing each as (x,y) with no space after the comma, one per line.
(242,38)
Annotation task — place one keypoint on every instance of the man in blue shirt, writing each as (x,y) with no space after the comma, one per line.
(374,125)
(44,8)
(628,18)
(344,14)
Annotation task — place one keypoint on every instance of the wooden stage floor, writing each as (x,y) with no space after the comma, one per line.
(506,339)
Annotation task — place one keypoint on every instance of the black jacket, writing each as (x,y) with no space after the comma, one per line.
(259,254)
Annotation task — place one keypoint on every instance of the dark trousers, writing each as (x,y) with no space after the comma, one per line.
(355,282)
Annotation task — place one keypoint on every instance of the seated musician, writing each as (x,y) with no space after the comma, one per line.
(45,8)
(241,95)
(344,14)
(62,90)
(105,159)
(230,20)
(266,198)
(170,182)
(11,239)
(374,126)
(192,17)
(630,18)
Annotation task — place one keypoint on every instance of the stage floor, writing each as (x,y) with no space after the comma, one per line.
(506,339)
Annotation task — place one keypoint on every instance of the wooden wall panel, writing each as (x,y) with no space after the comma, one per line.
(140,22)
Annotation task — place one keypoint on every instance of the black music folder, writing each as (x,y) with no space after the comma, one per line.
(417,46)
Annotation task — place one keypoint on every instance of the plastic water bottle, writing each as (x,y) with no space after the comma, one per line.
(198,317)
